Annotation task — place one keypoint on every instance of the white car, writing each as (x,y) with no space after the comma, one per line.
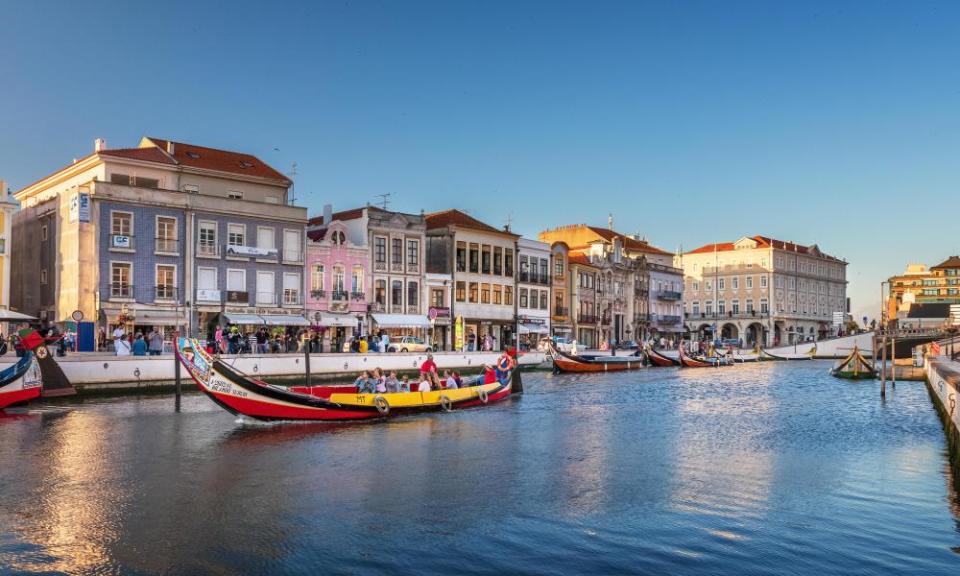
(409,344)
(562,344)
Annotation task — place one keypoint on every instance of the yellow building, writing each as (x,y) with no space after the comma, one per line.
(939,284)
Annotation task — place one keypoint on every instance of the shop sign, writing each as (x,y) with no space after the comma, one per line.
(251,251)
(438,312)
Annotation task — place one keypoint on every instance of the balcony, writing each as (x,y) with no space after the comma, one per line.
(524,277)
(318,294)
(379,266)
(358,296)
(396,267)
(396,309)
(339,295)
(378,307)
(292,298)
(266,299)
(413,268)
(667,319)
(207,250)
(166,245)
(238,297)
(120,290)
(208,295)
(165,292)
(669,295)
(586,319)
(122,243)
(561,311)
(293,256)
(413,309)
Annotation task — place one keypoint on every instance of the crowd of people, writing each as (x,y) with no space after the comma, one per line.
(377,382)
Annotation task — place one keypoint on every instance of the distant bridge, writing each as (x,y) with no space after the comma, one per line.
(905,340)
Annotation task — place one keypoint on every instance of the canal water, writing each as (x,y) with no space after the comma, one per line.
(773,468)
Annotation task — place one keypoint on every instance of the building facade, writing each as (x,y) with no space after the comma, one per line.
(481,262)
(395,243)
(584,278)
(762,290)
(939,284)
(561,319)
(7,209)
(338,280)
(163,236)
(534,282)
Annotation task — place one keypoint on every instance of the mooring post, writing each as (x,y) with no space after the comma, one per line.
(893,362)
(176,372)
(306,361)
(883,368)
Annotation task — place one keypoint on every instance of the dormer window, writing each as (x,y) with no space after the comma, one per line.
(245,164)
(193,155)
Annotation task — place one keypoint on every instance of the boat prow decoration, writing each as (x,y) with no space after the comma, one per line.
(854,367)
(243,395)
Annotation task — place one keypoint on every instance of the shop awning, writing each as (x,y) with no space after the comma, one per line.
(401,320)
(338,320)
(148,317)
(243,319)
(284,320)
(529,328)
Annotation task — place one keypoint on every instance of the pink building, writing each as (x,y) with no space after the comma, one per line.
(337,279)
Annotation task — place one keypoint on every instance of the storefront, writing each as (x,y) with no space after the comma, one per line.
(501,334)
(399,325)
(337,329)
(440,331)
(531,330)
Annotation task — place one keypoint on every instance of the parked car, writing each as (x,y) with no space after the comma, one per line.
(409,344)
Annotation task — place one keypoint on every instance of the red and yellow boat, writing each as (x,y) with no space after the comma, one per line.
(564,362)
(243,395)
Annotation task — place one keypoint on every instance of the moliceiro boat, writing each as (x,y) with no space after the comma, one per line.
(658,359)
(702,362)
(767,356)
(243,395)
(854,367)
(564,362)
(35,374)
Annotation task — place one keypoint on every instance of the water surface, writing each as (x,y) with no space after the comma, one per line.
(755,469)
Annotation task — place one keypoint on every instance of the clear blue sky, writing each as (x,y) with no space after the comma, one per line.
(832,123)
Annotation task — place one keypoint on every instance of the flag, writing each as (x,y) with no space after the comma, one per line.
(30,338)
(935,349)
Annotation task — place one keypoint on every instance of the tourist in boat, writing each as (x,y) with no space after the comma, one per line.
(424,384)
(428,367)
(405,384)
(381,381)
(457,379)
(392,384)
(364,383)
(450,383)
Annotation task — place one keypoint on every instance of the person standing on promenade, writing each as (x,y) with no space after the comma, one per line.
(156,343)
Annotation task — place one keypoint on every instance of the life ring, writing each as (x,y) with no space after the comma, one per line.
(484,397)
(503,363)
(446,403)
(383,407)
(42,351)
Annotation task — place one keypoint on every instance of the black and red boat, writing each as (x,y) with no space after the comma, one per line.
(701,362)
(35,374)
(565,362)
(243,395)
(658,359)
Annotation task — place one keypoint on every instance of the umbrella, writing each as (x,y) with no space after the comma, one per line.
(11,316)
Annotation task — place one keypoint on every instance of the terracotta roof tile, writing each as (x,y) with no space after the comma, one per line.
(219,160)
(580,258)
(720,247)
(462,220)
(762,242)
(951,262)
(147,154)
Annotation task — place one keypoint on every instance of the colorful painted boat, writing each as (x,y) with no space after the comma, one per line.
(35,374)
(564,362)
(657,359)
(768,357)
(702,362)
(854,367)
(243,395)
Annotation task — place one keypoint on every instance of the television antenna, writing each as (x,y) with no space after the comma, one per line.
(384,199)
(293,186)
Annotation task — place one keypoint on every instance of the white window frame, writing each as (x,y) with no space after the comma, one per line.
(273,236)
(227,281)
(273,292)
(298,247)
(156,272)
(176,233)
(129,264)
(216,279)
(132,222)
(245,239)
(294,291)
(216,238)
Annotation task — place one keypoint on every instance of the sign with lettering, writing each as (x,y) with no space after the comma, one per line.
(251,251)
(438,312)
(121,241)
(208,295)
(84,208)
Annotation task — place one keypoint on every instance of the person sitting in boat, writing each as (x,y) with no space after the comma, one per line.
(424,384)
(489,375)
(392,384)
(457,379)
(405,384)
(364,383)
(381,381)
(450,381)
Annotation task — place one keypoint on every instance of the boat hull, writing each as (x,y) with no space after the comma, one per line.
(20,383)
(568,365)
(658,359)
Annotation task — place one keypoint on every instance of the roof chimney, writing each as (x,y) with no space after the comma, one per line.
(99,144)
(610,220)
(327,213)
(170,147)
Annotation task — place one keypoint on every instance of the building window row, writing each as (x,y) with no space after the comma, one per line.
(484,259)
(483,293)
(534,299)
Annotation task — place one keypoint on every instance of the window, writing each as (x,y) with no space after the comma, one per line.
(236,235)
(207,243)
(338,281)
(147,182)
(356,280)
(121,224)
(316,279)
(558,267)
(291,288)
(484,293)
(234,194)
(523,291)
(207,282)
(461,257)
(696,307)
(544,270)
(436,298)
(413,294)
(497,294)
(709,307)
(236,280)
(534,299)
(166,282)
(721,284)
(508,295)
(474,292)
(266,289)
(120,179)
(43,276)
(764,306)
(508,265)
(498,260)
(120,275)
(721,307)
(380,292)
(749,282)
(265,238)
(166,234)
(396,247)
(413,253)
(524,271)
(749,305)
(544,300)
(396,293)
(485,260)
(696,286)
(44,233)
(474,258)
(735,283)
(380,250)
(735,306)
(292,248)
(763,281)
(461,295)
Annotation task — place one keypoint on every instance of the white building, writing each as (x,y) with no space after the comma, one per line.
(7,208)
(533,290)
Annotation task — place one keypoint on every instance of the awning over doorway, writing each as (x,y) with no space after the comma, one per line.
(529,328)
(348,320)
(243,319)
(11,316)
(154,317)
(401,320)
(284,320)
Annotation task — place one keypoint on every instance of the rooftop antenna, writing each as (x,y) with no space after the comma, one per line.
(610,220)
(384,199)
(293,186)
(509,222)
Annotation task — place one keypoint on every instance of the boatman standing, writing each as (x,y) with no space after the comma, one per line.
(505,363)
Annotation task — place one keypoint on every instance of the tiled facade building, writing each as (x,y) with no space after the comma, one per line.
(762,290)
(165,235)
